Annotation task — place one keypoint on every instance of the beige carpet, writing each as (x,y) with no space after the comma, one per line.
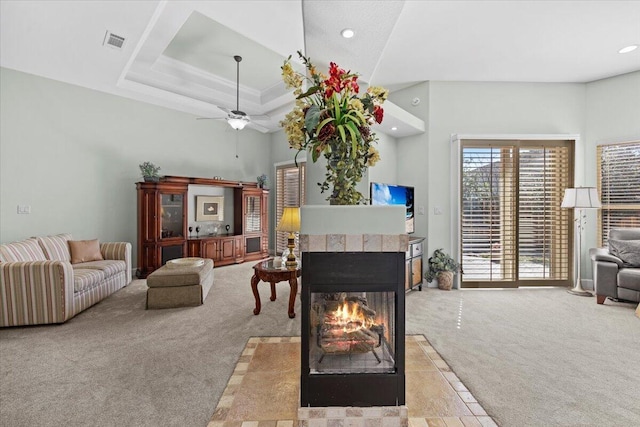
(530,357)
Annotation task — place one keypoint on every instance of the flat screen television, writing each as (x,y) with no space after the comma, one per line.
(389,194)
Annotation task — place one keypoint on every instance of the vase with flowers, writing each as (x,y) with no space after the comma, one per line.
(332,120)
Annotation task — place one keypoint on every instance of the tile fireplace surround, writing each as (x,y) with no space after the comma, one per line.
(263,391)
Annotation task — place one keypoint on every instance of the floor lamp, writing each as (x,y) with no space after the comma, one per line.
(580,198)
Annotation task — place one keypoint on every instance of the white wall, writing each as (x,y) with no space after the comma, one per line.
(386,170)
(413,153)
(612,115)
(72,154)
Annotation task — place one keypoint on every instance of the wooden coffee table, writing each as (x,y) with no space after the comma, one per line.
(266,272)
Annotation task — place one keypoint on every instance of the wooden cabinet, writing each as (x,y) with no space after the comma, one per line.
(163,218)
(223,250)
(162,224)
(413,266)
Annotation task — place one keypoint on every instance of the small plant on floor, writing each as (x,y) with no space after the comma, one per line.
(441,267)
(149,171)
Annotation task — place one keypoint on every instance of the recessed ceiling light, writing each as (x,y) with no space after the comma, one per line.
(394,128)
(628,49)
(347,33)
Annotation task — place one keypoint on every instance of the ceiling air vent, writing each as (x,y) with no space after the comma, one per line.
(113,41)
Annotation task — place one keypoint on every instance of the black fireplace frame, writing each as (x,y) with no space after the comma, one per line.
(353,272)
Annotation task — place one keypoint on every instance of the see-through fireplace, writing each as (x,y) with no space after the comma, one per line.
(353,329)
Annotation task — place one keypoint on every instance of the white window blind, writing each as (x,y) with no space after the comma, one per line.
(619,187)
(512,227)
(289,192)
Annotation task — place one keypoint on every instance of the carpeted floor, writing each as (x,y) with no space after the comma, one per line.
(537,357)
(530,357)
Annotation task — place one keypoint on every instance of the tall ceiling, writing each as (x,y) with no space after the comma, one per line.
(179,54)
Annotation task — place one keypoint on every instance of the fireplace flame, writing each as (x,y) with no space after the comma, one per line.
(350,316)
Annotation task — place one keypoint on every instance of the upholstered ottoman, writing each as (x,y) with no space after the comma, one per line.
(183,282)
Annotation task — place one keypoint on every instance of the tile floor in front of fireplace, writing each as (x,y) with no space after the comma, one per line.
(264,389)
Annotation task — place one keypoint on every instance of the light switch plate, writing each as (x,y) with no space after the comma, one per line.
(24,209)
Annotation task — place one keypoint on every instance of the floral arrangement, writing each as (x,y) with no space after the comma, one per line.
(332,120)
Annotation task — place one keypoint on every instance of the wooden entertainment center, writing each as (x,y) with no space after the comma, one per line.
(163,222)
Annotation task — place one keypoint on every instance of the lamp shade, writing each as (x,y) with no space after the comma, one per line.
(581,197)
(290,220)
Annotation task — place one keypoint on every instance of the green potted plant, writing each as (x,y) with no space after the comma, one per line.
(441,267)
(262,181)
(149,172)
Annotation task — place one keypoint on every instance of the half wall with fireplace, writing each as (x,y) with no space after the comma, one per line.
(353,325)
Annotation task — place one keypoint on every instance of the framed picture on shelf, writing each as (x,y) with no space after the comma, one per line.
(209,208)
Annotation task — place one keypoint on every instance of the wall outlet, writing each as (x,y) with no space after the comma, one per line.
(24,209)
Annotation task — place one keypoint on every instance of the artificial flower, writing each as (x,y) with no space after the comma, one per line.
(330,119)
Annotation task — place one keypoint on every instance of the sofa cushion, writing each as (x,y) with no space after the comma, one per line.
(56,247)
(85,251)
(629,278)
(109,267)
(86,278)
(627,250)
(26,250)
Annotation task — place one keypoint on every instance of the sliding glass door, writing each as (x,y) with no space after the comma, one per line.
(513,231)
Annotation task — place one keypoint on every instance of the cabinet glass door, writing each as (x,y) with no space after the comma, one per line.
(253,215)
(171,213)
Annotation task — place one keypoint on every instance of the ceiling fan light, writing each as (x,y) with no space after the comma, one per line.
(238,123)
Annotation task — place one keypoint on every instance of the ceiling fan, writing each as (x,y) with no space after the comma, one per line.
(237,118)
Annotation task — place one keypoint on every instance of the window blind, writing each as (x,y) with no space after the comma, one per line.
(619,187)
(543,233)
(290,184)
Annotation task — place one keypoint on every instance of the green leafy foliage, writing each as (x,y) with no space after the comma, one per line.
(149,170)
(440,261)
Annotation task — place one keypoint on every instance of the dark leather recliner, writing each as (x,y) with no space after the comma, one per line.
(611,277)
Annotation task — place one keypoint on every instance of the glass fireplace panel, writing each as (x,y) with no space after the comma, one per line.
(352,332)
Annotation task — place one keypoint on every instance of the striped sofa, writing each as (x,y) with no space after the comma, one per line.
(40,285)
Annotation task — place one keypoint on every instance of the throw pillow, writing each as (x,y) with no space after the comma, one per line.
(85,251)
(627,250)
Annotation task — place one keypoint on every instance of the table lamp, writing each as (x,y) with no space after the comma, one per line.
(580,198)
(290,221)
